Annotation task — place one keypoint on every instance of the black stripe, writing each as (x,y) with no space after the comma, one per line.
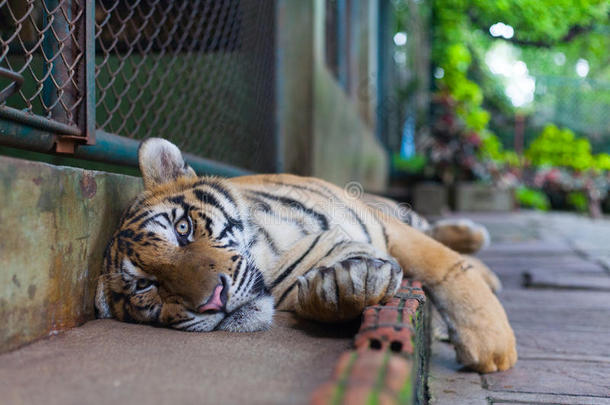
(285,294)
(292,203)
(177,199)
(138,217)
(269,241)
(243,278)
(290,268)
(301,187)
(334,247)
(265,207)
(208,198)
(362,224)
(237,268)
(134,206)
(385,234)
(218,188)
(330,195)
(152,218)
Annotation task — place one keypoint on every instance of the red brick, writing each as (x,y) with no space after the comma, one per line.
(324,394)
(398,371)
(366,368)
(394,302)
(385,398)
(342,364)
(385,336)
(369,319)
(387,316)
(357,394)
(379,324)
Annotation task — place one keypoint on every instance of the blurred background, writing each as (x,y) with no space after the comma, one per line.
(464,105)
(446,105)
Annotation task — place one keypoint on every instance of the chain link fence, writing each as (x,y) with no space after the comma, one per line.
(199,73)
(42,59)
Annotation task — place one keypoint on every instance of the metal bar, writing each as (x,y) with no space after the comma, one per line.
(38,122)
(89,66)
(342,24)
(353,62)
(12,88)
(383,53)
(109,148)
(17,135)
(49,48)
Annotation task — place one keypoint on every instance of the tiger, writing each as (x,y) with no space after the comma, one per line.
(208,253)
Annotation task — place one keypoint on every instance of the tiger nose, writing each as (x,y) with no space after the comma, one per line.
(218,298)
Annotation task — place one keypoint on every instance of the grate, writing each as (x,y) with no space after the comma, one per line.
(42,59)
(199,73)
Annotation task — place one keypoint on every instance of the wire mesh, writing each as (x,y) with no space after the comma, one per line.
(199,73)
(42,43)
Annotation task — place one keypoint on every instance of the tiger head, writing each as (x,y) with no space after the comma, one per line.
(180,255)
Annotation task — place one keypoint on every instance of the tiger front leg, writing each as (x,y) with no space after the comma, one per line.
(342,290)
(478,325)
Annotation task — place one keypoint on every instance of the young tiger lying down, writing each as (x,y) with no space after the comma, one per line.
(203,253)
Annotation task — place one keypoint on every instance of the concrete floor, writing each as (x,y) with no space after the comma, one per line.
(106,362)
(561,315)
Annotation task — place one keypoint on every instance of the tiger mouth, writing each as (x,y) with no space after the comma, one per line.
(217,302)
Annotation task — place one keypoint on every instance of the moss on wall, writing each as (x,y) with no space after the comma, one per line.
(55,222)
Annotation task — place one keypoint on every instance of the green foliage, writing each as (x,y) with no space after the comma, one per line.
(561,148)
(602,161)
(415,164)
(491,148)
(535,20)
(461,40)
(530,198)
(578,201)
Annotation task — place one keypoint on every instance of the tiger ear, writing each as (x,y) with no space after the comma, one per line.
(161,162)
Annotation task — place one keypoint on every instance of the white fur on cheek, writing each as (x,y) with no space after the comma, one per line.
(254,316)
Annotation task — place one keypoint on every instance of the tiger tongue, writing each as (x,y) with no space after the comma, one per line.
(215,302)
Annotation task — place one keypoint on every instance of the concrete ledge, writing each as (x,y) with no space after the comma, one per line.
(482,197)
(55,222)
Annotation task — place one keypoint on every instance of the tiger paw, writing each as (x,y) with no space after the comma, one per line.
(486,350)
(343,290)
(478,326)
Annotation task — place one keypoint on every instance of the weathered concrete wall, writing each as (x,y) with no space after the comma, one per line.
(54,224)
(294,92)
(345,148)
(323,129)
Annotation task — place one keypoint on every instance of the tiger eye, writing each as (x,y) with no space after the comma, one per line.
(143,283)
(183,227)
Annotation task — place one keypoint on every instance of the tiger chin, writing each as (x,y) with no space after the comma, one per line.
(206,253)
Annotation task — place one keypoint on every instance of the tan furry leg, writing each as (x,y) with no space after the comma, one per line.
(478,325)
(461,235)
(485,272)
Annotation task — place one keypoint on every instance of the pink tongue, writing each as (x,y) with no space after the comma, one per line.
(215,303)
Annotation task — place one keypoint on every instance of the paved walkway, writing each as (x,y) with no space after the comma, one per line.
(555,271)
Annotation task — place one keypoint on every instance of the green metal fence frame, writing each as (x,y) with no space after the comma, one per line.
(22,130)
